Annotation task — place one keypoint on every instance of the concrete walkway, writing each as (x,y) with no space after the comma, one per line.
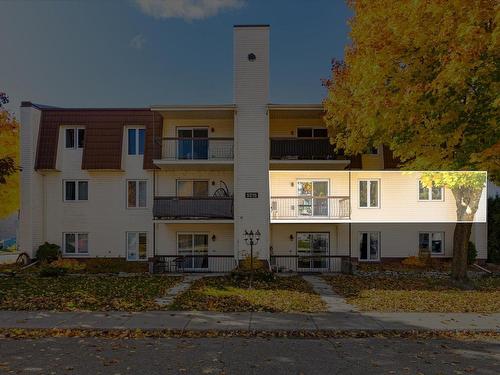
(334,302)
(203,321)
(177,289)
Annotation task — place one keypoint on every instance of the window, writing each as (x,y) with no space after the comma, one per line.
(312,198)
(136,139)
(75,137)
(369,194)
(137,245)
(136,194)
(312,133)
(192,188)
(76,243)
(369,246)
(429,194)
(75,190)
(432,242)
(194,248)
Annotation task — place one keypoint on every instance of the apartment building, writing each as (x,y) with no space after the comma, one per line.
(180,184)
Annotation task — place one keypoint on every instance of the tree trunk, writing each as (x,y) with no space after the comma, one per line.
(467,202)
(461,237)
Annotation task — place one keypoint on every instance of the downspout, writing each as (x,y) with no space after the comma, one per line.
(350,229)
(154,185)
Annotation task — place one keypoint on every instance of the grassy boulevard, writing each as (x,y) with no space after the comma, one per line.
(414,293)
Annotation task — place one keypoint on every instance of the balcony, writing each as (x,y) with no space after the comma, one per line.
(310,209)
(286,153)
(196,153)
(178,209)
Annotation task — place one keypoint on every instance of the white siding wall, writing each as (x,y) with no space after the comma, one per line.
(104,216)
(398,195)
(31,206)
(251,164)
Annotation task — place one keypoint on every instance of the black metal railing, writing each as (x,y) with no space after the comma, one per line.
(307,263)
(197,149)
(194,263)
(309,207)
(193,208)
(303,149)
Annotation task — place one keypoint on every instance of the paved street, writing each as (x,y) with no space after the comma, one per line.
(248,356)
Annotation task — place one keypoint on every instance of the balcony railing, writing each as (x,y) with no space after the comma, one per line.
(307,263)
(193,208)
(194,263)
(214,149)
(303,149)
(310,208)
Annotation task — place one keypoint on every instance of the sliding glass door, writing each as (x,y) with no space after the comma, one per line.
(312,251)
(192,143)
(194,247)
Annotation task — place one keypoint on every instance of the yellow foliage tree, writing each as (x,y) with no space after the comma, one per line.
(9,150)
(423,78)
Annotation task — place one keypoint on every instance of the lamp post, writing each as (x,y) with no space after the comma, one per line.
(251,239)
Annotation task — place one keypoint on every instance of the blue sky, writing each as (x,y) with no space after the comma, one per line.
(119,53)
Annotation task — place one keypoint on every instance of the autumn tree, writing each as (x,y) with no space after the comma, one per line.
(9,160)
(422,77)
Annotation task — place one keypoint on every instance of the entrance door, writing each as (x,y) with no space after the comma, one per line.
(192,143)
(194,248)
(312,251)
(313,198)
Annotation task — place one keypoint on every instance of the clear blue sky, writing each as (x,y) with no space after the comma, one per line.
(118,53)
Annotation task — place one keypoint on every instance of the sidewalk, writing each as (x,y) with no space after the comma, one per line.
(261,321)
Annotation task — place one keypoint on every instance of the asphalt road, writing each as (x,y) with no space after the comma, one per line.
(248,356)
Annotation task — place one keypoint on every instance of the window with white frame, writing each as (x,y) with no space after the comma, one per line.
(76,190)
(369,246)
(136,141)
(429,193)
(369,194)
(74,138)
(432,242)
(76,243)
(136,194)
(137,245)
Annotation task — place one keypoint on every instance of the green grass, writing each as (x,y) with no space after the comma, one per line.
(417,293)
(224,294)
(93,293)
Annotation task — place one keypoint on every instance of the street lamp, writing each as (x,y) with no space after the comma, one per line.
(251,239)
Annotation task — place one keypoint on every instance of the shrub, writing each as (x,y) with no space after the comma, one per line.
(48,252)
(52,271)
(110,265)
(70,265)
(471,253)
(245,264)
(415,262)
(494,230)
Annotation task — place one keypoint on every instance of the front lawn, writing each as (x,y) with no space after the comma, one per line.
(412,293)
(94,293)
(224,294)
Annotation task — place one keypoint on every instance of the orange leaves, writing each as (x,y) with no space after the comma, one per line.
(419,75)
